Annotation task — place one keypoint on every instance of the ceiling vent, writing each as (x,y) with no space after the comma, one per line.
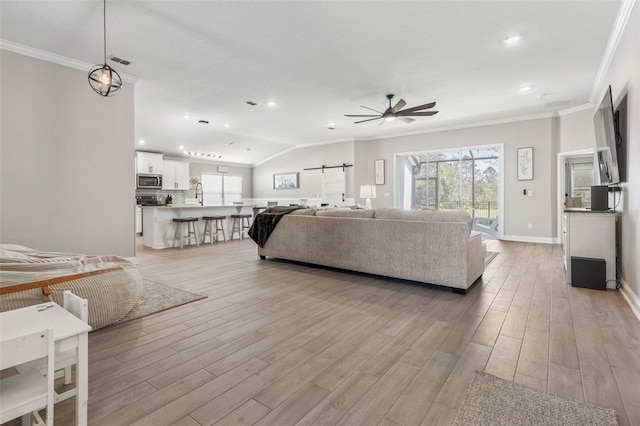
(120,60)
(557,104)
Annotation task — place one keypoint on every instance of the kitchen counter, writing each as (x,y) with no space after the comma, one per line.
(158,227)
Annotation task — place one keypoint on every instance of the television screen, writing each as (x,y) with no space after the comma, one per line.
(606,156)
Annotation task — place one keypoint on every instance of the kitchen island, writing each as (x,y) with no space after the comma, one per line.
(158,227)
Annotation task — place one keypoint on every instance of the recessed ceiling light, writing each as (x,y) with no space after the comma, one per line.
(271,104)
(227,125)
(525,89)
(141,141)
(331,125)
(512,40)
(181,147)
(186,116)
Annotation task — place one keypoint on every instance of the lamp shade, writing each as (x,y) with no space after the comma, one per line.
(367,191)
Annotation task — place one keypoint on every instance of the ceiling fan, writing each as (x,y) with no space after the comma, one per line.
(396,111)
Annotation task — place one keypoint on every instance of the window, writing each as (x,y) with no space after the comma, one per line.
(581,181)
(221,189)
(465,179)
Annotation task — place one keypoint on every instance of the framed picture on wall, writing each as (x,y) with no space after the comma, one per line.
(525,163)
(379,171)
(285,180)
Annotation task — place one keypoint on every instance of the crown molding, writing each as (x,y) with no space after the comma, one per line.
(616,34)
(57,59)
(575,109)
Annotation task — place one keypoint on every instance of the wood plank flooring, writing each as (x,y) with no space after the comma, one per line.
(279,343)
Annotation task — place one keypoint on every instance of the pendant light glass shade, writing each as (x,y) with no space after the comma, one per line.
(103,79)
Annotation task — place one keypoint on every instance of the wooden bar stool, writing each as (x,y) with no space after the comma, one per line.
(241,222)
(192,230)
(213,225)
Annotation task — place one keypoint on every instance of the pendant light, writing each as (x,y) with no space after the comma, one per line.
(103,79)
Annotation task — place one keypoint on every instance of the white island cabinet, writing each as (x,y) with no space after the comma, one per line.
(158,227)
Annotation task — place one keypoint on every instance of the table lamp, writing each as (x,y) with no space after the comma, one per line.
(368,192)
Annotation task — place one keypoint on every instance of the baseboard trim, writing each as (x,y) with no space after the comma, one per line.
(526,239)
(631,298)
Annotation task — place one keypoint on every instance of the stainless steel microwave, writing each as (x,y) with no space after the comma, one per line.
(146,181)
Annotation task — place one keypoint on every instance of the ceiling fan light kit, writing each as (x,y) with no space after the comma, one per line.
(396,111)
(103,79)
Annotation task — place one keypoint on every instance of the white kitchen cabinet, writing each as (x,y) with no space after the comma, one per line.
(592,235)
(175,175)
(138,220)
(148,162)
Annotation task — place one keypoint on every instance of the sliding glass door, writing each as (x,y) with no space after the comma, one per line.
(465,179)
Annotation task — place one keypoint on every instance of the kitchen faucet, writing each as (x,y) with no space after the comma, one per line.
(201,193)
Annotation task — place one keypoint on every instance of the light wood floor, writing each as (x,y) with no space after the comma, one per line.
(279,343)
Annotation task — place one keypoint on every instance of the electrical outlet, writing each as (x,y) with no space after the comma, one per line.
(530,225)
(530,193)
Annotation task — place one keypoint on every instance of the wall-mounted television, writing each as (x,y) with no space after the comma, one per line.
(606,158)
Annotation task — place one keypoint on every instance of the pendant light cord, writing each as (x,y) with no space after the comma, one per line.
(104,22)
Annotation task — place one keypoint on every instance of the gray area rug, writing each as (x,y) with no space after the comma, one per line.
(158,297)
(490,256)
(493,401)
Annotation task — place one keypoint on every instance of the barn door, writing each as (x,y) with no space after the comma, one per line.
(333,187)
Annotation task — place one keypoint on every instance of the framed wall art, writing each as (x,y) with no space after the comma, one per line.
(525,163)
(286,180)
(379,171)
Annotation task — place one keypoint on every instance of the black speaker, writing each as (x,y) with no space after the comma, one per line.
(600,198)
(588,273)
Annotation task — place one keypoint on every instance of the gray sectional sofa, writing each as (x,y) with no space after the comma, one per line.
(435,247)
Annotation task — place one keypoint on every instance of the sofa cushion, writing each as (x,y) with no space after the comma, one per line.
(346,212)
(424,215)
(304,212)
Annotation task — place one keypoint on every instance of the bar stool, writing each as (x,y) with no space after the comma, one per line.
(240,222)
(192,229)
(209,223)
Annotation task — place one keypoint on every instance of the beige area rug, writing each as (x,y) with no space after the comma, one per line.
(490,256)
(494,401)
(158,297)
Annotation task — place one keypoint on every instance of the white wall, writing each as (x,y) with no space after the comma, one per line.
(577,133)
(297,160)
(519,210)
(67,160)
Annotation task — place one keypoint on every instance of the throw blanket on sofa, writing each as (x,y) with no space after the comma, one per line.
(266,222)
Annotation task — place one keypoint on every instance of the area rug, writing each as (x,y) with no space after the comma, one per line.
(490,256)
(158,297)
(494,401)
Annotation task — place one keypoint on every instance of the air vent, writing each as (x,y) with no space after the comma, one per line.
(120,60)
(557,104)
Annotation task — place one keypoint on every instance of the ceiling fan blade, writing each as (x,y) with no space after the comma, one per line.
(417,114)
(374,110)
(370,119)
(359,115)
(406,119)
(398,106)
(419,107)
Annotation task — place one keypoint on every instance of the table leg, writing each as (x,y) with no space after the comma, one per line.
(82,379)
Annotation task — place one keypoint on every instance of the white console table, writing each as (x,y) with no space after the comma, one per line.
(590,234)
